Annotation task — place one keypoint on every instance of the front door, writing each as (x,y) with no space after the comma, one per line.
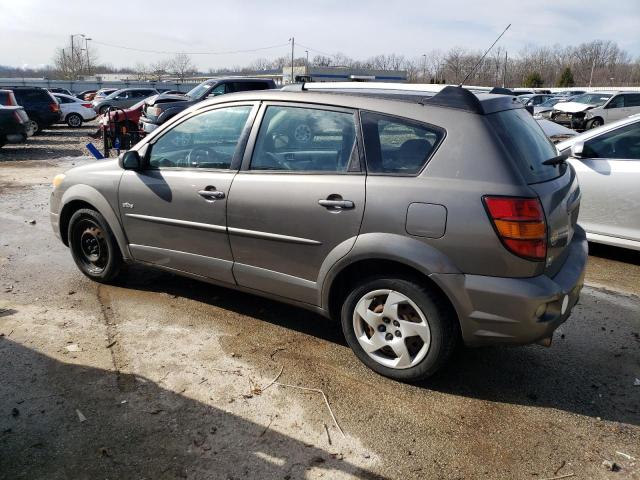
(609,176)
(174,210)
(298,199)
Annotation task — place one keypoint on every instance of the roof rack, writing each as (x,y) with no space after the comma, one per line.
(451,96)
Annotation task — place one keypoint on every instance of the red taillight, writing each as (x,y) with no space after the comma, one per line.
(520,224)
(54,107)
(86,105)
(17,117)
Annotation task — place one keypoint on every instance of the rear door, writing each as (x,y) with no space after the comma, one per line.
(298,199)
(174,209)
(609,175)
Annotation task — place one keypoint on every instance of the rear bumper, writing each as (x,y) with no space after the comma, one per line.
(494,310)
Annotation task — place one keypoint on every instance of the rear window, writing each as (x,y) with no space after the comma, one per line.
(25,96)
(397,146)
(526,144)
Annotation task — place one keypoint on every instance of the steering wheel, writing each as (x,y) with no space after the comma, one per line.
(200,155)
(282,164)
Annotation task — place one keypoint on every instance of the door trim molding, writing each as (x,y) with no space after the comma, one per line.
(180,223)
(272,236)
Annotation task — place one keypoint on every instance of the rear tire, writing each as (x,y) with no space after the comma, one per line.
(74,120)
(93,246)
(37,129)
(103,109)
(410,331)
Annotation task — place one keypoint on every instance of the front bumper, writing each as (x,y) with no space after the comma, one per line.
(146,126)
(494,310)
(572,121)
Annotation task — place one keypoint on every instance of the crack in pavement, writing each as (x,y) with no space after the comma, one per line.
(126,382)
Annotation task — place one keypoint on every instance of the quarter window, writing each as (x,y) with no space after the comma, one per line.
(397,146)
(207,140)
(622,143)
(304,140)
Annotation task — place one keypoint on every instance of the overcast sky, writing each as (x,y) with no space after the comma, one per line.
(30,30)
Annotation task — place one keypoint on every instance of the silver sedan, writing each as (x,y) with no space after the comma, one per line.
(607,162)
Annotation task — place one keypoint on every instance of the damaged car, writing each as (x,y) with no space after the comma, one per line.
(594,109)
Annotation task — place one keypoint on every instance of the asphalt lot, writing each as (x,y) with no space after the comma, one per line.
(165,377)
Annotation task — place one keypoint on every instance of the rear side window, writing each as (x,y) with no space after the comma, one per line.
(526,144)
(4,98)
(397,146)
(246,86)
(633,100)
(298,139)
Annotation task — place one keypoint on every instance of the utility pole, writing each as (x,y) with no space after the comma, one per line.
(593,66)
(424,67)
(73,72)
(504,70)
(86,46)
(293,43)
(306,72)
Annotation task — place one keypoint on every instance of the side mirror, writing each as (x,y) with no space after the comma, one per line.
(577,149)
(130,160)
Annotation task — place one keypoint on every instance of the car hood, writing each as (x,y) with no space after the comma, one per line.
(167,98)
(541,109)
(573,107)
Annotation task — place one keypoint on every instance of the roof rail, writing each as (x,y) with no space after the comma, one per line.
(501,91)
(456,97)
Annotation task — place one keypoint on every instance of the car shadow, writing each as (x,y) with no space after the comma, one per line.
(61,420)
(568,376)
(618,254)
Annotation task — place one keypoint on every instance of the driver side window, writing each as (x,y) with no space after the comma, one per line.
(207,140)
(621,143)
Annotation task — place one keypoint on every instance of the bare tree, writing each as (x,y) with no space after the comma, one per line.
(181,66)
(74,60)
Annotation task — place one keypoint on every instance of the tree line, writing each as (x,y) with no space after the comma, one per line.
(596,63)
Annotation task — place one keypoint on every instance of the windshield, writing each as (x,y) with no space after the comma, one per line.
(199,91)
(595,99)
(526,144)
(549,102)
(138,105)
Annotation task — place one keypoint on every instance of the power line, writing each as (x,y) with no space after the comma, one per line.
(165,52)
(315,50)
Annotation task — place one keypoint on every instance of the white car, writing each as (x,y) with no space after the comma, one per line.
(594,109)
(607,162)
(74,111)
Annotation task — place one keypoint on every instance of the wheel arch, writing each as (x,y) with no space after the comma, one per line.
(383,254)
(84,196)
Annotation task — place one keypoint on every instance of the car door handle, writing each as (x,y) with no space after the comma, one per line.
(336,204)
(211,194)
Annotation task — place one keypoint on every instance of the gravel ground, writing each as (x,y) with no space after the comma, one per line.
(58,141)
(163,377)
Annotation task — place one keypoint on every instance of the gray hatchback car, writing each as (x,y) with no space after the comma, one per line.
(123,98)
(419,221)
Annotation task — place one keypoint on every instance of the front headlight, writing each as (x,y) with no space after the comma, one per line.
(58,179)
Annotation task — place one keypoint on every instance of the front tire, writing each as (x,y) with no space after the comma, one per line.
(93,246)
(595,123)
(399,328)
(74,120)
(35,125)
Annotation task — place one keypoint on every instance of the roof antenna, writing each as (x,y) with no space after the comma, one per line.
(482,58)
